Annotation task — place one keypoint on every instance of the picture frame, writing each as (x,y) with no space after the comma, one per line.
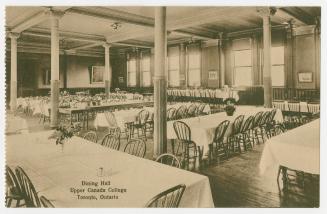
(213,75)
(97,75)
(305,77)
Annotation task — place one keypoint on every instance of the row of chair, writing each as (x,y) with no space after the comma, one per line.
(184,112)
(245,133)
(136,147)
(20,188)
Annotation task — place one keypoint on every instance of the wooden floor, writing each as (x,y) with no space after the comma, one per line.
(237,181)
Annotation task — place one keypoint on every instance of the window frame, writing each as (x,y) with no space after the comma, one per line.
(243,66)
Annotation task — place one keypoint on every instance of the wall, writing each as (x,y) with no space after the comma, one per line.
(306,61)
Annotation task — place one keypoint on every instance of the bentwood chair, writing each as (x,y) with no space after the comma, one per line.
(136,147)
(256,126)
(169,198)
(261,131)
(171,114)
(112,140)
(169,159)
(91,136)
(46,203)
(220,148)
(181,112)
(245,135)
(13,191)
(232,140)
(28,191)
(184,147)
(140,124)
(191,111)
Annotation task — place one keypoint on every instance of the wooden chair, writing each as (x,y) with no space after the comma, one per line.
(245,134)
(136,147)
(169,159)
(181,112)
(185,147)
(191,111)
(140,124)
(91,136)
(27,189)
(46,203)
(112,140)
(169,198)
(219,147)
(13,191)
(256,126)
(171,114)
(232,140)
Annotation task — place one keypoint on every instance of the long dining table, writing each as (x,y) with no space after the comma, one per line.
(203,127)
(297,149)
(80,173)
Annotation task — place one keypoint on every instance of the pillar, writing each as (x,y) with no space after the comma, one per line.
(221,61)
(54,18)
(265,13)
(107,69)
(13,71)
(160,83)
(290,81)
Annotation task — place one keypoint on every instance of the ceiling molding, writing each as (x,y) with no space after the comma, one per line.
(31,21)
(298,16)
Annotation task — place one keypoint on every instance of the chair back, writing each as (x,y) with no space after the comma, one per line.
(27,188)
(11,181)
(91,136)
(191,110)
(171,113)
(46,203)
(221,130)
(169,198)
(182,130)
(169,159)
(237,124)
(256,119)
(247,125)
(272,116)
(201,108)
(143,116)
(136,147)
(181,111)
(110,117)
(112,141)
(264,118)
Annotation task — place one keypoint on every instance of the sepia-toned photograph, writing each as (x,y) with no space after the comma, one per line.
(162,106)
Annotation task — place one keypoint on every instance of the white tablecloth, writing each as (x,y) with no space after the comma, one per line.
(130,115)
(297,149)
(203,128)
(55,170)
(16,125)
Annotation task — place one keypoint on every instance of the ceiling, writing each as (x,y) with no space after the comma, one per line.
(86,28)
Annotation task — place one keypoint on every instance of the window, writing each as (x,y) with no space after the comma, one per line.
(243,67)
(277,66)
(194,69)
(173,70)
(145,69)
(46,76)
(97,74)
(131,72)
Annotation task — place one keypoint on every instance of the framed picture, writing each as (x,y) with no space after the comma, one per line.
(121,79)
(97,74)
(305,77)
(212,75)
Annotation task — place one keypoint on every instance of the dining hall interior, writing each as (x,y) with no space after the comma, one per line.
(168,106)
